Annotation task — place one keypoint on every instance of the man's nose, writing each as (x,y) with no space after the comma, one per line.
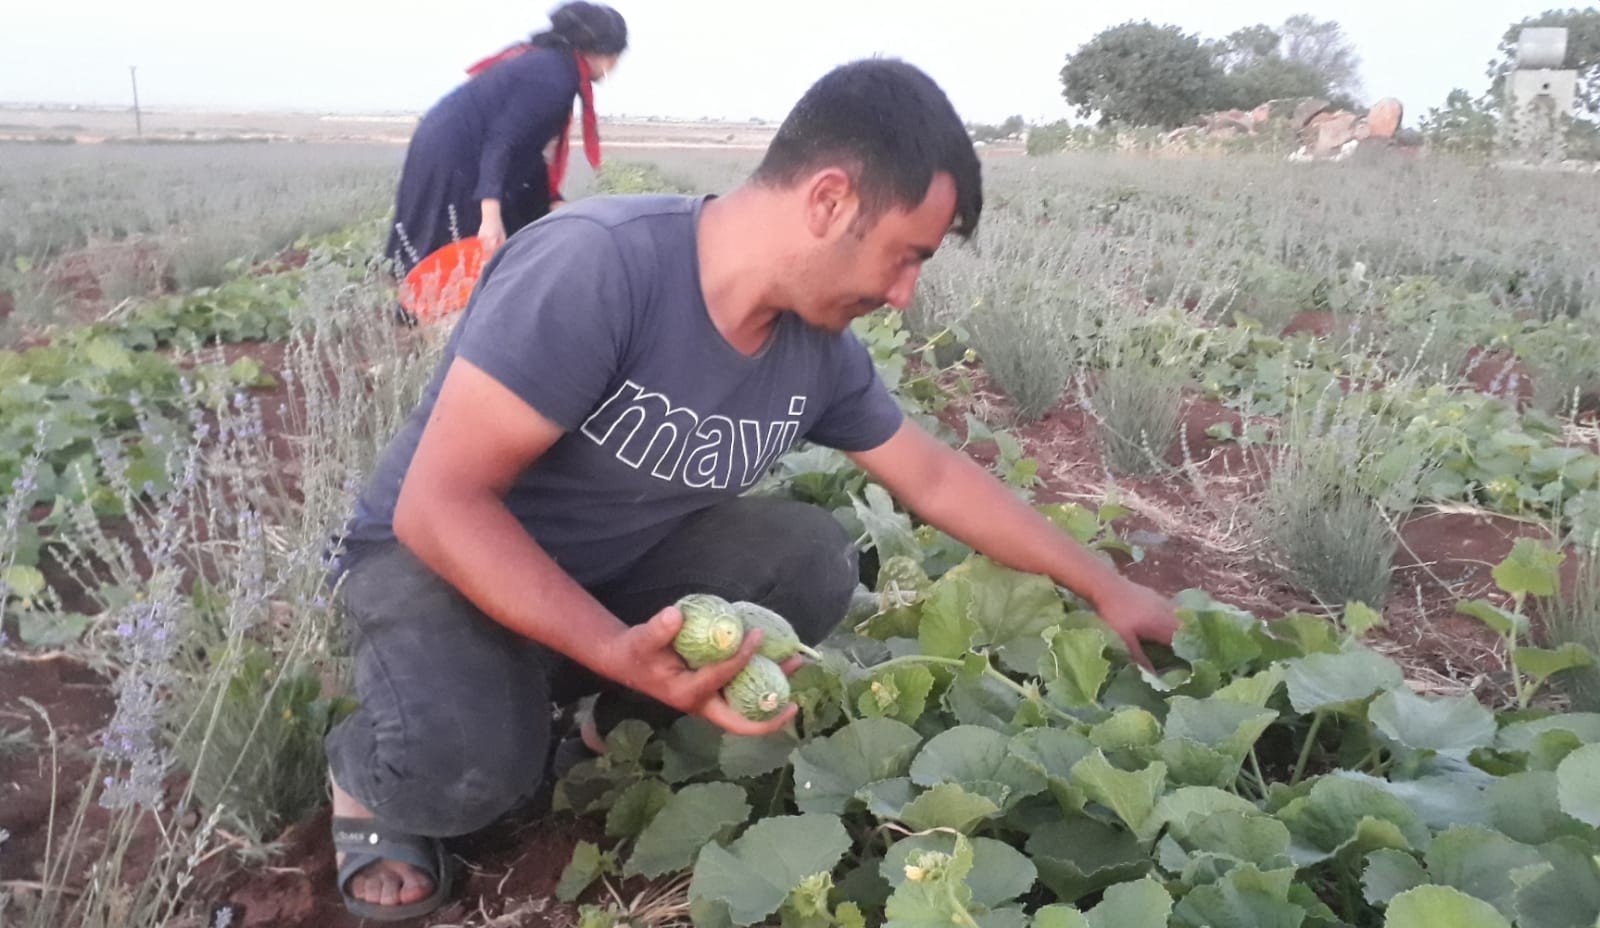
(899,295)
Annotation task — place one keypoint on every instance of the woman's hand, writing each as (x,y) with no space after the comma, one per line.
(492,231)
(492,234)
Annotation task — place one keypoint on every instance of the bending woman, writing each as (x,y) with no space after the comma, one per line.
(476,164)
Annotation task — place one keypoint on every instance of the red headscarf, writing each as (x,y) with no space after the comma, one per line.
(591,127)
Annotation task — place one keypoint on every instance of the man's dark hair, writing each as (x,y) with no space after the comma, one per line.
(891,127)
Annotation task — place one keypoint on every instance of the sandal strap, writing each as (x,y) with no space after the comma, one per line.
(365,842)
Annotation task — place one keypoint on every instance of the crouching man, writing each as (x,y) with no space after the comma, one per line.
(627,368)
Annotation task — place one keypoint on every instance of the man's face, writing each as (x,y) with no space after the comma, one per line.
(876,262)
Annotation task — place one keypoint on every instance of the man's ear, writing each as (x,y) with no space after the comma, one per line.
(831,203)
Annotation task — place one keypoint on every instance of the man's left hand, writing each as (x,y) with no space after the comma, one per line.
(1137,613)
(958,495)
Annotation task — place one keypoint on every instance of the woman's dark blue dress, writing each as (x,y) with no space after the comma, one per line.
(485,140)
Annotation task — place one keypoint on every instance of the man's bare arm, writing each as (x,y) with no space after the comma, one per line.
(451,514)
(954,493)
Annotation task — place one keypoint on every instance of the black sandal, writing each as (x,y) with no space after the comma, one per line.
(364,842)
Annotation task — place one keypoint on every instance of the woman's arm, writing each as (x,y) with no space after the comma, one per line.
(541,96)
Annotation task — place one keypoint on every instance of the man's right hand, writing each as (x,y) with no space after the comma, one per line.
(644,659)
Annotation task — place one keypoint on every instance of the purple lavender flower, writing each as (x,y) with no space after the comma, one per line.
(133,738)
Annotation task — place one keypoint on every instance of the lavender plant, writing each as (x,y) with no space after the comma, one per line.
(55,199)
(1572,615)
(216,619)
(1337,479)
(1138,406)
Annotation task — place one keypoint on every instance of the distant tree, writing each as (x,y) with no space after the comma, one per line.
(1583,52)
(1246,48)
(1322,46)
(1011,127)
(1272,78)
(1463,125)
(1301,58)
(1142,74)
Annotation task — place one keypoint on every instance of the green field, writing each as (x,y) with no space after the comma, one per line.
(1349,414)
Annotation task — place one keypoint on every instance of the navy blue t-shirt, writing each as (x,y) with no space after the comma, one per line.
(595,317)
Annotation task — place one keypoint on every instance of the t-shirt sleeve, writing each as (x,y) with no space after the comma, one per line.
(861,413)
(551,318)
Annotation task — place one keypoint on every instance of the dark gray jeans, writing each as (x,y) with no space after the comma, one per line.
(453,729)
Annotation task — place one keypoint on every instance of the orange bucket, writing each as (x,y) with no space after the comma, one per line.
(442,282)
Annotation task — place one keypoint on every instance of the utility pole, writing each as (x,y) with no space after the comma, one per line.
(138,120)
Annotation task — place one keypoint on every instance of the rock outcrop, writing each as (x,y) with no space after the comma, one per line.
(1319,130)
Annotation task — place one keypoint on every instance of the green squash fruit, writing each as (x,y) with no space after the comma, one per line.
(711,631)
(778,640)
(760,690)
(904,577)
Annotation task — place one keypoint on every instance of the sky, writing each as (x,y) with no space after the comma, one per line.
(735,59)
